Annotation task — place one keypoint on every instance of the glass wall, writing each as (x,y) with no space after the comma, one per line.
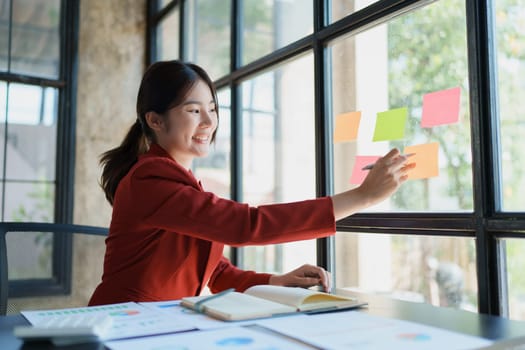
(279,152)
(207,33)
(270,25)
(510,34)
(314,105)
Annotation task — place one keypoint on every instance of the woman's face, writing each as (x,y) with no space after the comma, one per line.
(191,125)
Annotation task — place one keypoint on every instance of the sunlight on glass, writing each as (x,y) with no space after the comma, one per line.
(510,36)
(272,24)
(437,270)
(31,141)
(515,277)
(207,33)
(278,161)
(409,80)
(38,264)
(342,8)
(168,36)
(35,46)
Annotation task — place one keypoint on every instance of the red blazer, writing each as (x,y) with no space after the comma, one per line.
(167,234)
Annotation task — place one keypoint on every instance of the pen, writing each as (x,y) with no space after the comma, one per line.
(199,306)
(370,166)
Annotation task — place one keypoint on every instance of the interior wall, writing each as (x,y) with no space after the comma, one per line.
(111,56)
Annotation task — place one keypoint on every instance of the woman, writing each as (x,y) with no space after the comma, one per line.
(167,234)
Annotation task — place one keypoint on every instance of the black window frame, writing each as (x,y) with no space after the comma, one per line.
(486,224)
(66,83)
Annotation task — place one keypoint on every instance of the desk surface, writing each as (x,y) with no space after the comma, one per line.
(490,327)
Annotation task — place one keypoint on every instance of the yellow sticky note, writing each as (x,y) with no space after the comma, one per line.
(426,159)
(346,126)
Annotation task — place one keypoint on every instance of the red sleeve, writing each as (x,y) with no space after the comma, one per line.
(227,276)
(162,200)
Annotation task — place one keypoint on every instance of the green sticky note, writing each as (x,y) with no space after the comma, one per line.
(390,125)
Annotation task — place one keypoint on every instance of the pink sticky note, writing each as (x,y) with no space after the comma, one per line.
(441,107)
(358,174)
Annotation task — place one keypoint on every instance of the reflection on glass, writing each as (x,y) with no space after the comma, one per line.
(29,202)
(31,143)
(208,35)
(279,153)
(38,264)
(510,29)
(436,270)
(4,33)
(342,8)
(35,37)
(515,277)
(3,103)
(393,65)
(163,3)
(214,170)
(270,25)
(168,36)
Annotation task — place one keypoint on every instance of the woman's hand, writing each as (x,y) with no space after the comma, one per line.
(383,179)
(304,276)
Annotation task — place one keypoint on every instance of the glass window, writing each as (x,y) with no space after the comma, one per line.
(514,249)
(208,35)
(270,25)
(168,36)
(279,153)
(31,137)
(436,270)
(38,264)
(4,33)
(29,201)
(402,67)
(35,44)
(214,170)
(342,8)
(510,35)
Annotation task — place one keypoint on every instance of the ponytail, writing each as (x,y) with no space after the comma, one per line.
(118,161)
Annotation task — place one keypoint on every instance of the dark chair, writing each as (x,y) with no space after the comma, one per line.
(23,227)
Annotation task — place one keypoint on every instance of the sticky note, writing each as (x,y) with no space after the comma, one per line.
(390,125)
(426,159)
(358,175)
(346,126)
(441,107)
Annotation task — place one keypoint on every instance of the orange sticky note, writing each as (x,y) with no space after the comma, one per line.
(358,174)
(426,159)
(441,107)
(346,126)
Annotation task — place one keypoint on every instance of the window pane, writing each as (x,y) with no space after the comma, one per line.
(31,146)
(3,102)
(270,25)
(168,36)
(214,170)
(436,270)
(35,37)
(279,153)
(163,3)
(515,277)
(510,34)
(4,33)
(29,202)
(208,35)
(22,265)
(342,8)
(391,66)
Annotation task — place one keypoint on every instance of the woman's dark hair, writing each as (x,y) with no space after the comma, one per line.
(163,86)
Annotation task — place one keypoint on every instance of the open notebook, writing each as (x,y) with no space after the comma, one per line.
(267,301)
